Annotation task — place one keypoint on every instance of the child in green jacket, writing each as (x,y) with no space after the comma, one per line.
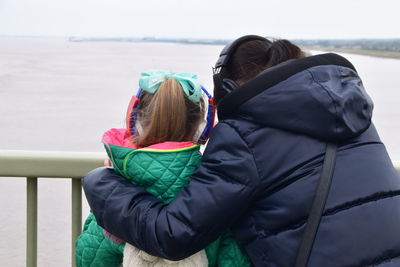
(158,150)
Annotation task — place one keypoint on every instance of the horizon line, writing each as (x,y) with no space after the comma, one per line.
(149,38)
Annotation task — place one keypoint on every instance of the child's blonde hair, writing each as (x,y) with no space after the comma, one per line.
(168,115)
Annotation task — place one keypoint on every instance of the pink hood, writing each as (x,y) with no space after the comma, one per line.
(121,137)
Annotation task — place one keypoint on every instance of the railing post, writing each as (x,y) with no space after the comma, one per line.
(76,195)
(31,221)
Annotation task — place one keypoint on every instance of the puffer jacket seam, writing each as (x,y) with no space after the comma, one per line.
(256,126)
(142,236)
(247,145)
(360,145)
(108,196)
(378,261)
(337,209)
(330,96)
(360,201)
(383,260)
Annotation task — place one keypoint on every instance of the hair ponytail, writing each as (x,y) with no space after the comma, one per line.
(167,115)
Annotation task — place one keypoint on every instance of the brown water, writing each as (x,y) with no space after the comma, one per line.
(59,95)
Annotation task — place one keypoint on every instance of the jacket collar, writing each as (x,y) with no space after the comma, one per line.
(272,76)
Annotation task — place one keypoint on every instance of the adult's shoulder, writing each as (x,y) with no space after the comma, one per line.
(226,133)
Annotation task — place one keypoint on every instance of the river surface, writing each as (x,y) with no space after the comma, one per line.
(61,96)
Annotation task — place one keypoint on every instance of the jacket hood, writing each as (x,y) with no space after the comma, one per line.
(121,137)
(321,96)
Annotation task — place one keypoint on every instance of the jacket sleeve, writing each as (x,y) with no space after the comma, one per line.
(221,190)
(93,248)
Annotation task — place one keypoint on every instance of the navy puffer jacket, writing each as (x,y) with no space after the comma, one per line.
(260,171)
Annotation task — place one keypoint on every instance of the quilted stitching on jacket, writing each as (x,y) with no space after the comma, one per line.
(94,249)
(163,174)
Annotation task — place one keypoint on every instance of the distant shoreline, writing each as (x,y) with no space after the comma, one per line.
(363,52)
(383,48)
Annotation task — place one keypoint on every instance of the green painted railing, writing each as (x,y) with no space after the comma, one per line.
(41,164)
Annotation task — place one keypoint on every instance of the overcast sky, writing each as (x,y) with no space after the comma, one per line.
(202,19)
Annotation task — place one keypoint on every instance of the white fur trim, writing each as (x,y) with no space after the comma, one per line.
(134,257)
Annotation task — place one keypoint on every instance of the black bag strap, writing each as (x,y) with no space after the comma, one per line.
(317,208)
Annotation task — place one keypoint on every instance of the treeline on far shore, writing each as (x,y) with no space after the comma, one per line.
(373,47)
(365,44)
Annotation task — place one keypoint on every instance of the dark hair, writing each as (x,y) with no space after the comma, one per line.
(254,56)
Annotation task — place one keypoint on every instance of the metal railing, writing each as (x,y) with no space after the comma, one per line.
(45,164)
(41,164)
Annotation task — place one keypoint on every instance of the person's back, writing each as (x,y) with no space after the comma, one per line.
(158,152)
(263,162)
(287,115)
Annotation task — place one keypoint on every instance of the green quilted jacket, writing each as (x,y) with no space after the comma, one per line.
(162,169)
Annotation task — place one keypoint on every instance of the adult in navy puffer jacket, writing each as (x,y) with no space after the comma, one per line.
(259,174)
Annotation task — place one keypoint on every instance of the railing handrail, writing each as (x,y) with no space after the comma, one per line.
(49,164)
(57,164)
(54,164)
(44,164)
